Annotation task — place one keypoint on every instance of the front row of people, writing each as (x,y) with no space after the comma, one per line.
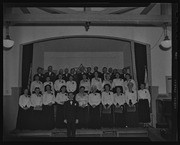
(92,110)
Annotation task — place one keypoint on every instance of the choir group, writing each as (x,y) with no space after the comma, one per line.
(99,99)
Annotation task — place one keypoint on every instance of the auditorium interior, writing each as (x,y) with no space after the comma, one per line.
(124,37)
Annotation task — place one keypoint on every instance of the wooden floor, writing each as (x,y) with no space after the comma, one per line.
(148,133)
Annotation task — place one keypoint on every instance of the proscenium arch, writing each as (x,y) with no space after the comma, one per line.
(75,36)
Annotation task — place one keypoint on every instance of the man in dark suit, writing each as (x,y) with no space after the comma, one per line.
(89,74)
(96,70)
(40,74)
(70,115)
(103,74)
(51,74)
(66,74)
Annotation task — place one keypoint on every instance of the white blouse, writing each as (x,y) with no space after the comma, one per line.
(36,100)
(121,99)
(58,84)
(97,83)
(35,84)
(126,85)
(144,94)
(118,82)
(107,98)
(61,98)
(82,99)
(24,101)
(94,99)
(131,96)
(86,84)
(49,83)
(48,98)
(71,86)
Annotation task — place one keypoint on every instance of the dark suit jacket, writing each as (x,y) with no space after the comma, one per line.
(70,111)
(89,75)
(52,76)
(41,77)
(66,77)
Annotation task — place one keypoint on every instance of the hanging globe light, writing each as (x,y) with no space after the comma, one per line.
(7,42)
(166,43)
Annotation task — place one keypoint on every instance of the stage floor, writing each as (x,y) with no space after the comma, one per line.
(139,133)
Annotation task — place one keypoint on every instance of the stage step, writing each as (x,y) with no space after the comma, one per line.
(121,132)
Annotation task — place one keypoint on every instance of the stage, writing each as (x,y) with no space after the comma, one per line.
(126,134)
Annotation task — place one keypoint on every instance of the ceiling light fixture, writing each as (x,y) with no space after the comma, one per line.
(7,42)
(166,43)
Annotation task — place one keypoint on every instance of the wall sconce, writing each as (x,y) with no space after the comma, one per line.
(7,42)
(87,25)
(166,43)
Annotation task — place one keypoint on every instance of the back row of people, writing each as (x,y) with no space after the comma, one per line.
(74,81)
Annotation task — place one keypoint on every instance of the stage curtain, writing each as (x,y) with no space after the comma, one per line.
(140,56)
(27,56)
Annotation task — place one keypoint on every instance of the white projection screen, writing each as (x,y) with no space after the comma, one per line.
(74,59)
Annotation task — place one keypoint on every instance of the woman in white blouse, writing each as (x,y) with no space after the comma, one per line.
(61,98)
(48,82)
(48,108)
(71,85)
(86,83)
(94,108)
(119,103)
(59,83)
(107,80)
(24,112)
(107,102)
(82,99)
(96,81)
(144,105)
(36,83)
(37,115)
(131,100)
(118,81)
(128,78)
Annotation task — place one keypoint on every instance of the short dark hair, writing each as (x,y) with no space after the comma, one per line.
(45,87)
(36,75)
(120,88)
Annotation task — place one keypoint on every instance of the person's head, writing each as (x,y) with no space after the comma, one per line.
(107,87)
(71,95)
(82,69)
(60,76)
(37,90)
(36,78)
(63,89)
(72,70)
(50,68)
(93,89)
(130,86)
(128,76)
(142,86)
(95,68)
(124,71)
(66,70)
(88,69)
(48,79)
(108,76)
(60,71)
(39,70)
(84,76)
(115,71)
(110,70)
(119,89)
(81,89)
(104,69)
(70,78)
(117,75)
(96,74)
(47,88)
(26,91)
